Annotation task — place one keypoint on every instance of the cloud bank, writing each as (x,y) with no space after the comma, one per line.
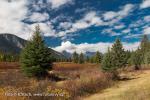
(58,3)
(145,4)
(85,47)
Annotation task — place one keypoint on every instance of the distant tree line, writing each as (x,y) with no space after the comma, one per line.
(8,57)
(81,58)
(58,59)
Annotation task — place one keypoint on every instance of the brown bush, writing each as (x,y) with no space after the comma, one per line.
(12,77)
(80,80)
(90,84)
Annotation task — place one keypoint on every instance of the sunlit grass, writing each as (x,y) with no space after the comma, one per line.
(138,88)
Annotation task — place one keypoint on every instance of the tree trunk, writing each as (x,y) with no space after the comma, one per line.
(137,67)
(115,75)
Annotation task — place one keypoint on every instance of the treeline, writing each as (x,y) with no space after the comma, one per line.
(8,57)
(81,58)
(55,59)
(117,58)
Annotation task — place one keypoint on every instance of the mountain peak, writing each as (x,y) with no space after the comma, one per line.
(10,43)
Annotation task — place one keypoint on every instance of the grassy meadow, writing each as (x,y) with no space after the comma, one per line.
(69,81)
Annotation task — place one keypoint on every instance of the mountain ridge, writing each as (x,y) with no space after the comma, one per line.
(13,44)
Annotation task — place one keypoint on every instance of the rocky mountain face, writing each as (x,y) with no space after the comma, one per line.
(12,44)
(69,55)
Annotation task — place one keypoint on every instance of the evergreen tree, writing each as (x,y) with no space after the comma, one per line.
(87,59)
(1,57)
(75,57)
(114,59)
(107,62)
(136,59)
(8,57)
(36,58)
(128,56)
(108,65)
(144,44)
(144,48)
(92,59)
(69,59)
(118,54)
(81,58)
(98,57)
(147,58)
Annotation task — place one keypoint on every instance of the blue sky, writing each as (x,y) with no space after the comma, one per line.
(78,25)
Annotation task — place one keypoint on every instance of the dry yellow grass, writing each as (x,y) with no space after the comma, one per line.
(74,75)
(138,88)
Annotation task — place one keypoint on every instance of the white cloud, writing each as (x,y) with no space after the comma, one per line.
(88,20)
(85,47)
(126,31)
(146,30)
(38,17)
(133,36)
(92,18)
(147,18)
(119,26)
(80,25)
(112,19)
(65,25)
(110,31)
(110,15)
(136,24)
(12,22)
(46,28)
(115,17)
(145,4)
(13,12)
(11,15)
(131,46)
(126,10)
(58,3)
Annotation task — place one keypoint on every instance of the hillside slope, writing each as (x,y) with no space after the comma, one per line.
(12,44)
(138,88)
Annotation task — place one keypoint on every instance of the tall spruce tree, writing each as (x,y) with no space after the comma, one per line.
(92,59)
(114,59)
(1,56)
(36,58)
(81,58)
(107,64)
(128,56)
(147,58)
(87,59)
(144,44)
(144,48)
(98,57)
(136,59)
(118,54)
(75,57)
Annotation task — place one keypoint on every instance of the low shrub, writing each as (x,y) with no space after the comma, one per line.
(87,86)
